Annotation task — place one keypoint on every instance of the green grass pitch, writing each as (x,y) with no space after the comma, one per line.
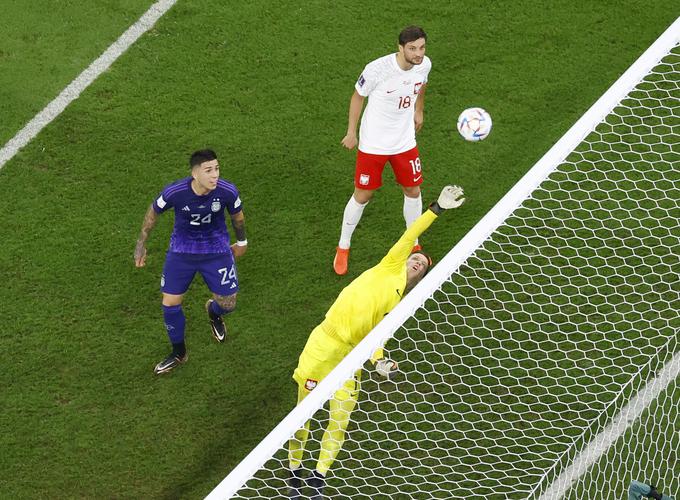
(267,86)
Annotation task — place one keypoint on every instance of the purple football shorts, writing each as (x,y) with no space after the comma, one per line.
(218,271)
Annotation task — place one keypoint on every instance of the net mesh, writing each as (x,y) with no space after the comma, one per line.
(539,340)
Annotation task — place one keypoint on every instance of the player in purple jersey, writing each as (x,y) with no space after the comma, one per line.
(199,243)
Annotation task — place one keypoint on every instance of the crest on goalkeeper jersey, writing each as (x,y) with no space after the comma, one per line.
(310,384)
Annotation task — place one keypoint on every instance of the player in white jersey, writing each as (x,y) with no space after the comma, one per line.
(395,85)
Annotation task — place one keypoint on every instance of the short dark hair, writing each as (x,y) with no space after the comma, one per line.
(200,156)
(411,34)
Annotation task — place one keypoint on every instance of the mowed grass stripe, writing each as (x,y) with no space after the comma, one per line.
(74,89)
(46,44)
(267,86)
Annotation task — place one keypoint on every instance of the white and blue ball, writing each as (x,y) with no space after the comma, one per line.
(474,124)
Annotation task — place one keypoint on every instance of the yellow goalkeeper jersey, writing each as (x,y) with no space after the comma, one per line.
(366,300)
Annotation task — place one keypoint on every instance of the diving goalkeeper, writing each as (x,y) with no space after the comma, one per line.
(359,307)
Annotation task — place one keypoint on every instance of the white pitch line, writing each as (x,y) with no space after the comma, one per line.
(626,418)
(74,89)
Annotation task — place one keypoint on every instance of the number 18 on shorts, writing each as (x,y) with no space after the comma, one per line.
(406,167)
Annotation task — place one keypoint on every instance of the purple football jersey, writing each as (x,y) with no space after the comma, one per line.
(200,225)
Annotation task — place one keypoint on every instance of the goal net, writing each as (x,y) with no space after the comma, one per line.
(541,357)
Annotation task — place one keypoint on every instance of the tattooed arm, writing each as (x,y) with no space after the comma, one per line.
(238,221)
(150,219)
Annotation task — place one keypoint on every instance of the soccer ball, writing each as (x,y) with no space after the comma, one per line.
(474,124)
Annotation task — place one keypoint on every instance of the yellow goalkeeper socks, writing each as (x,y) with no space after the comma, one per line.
(334,436)
(296,446)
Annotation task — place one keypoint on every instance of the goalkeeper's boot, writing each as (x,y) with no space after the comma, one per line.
(316,482)
(219,330)
(341,261)
(295,484)
(170,363)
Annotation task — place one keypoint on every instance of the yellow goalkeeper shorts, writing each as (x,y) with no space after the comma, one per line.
(321,354)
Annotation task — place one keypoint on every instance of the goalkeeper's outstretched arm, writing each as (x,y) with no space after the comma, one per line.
(450,197)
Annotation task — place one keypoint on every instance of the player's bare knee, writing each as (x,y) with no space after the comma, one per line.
(170,300)
(226,302)
(363,195)
(411,191)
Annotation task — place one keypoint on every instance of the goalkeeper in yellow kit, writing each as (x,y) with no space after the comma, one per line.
(357,310)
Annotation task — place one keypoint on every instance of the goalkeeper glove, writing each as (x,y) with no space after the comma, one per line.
(387,368)
(450,197)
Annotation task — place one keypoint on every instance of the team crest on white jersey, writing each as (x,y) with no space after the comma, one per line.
(216,205)
(310,384)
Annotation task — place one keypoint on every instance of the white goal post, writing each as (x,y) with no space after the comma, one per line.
(563,477)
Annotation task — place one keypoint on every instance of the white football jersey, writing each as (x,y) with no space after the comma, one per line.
(387,123)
